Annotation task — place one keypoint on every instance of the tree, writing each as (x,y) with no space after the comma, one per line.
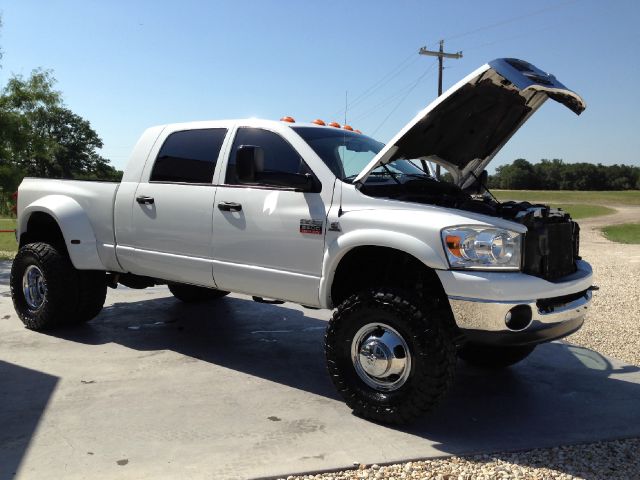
(519,175)
(557,175)
(42,137)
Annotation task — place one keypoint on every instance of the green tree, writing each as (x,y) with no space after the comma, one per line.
(557,175)
(42,137)
(519,175)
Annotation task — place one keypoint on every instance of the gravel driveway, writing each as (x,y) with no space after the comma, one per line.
(613,329)
(612,326)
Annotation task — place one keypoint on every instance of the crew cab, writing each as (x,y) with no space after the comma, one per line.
(418,270)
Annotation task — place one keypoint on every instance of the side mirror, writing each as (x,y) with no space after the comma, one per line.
(249,161)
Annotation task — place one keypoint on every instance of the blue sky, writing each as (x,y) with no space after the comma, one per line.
(127,65)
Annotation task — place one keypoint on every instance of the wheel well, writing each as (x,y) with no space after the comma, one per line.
(371,266)
(42,227)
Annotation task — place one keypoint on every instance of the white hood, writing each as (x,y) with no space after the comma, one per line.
(465,127)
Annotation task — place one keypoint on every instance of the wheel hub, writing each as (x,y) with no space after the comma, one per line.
(34,287)
(375,358)
(381,357)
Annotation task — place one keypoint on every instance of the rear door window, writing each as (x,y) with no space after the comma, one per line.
(189,156)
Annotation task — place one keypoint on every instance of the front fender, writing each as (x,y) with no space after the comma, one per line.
(340,246)
(74,225)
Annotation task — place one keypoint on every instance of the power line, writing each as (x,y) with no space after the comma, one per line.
(510,20)
(502,40)
(394,72)
(387,100)
(362,99)
(403,98)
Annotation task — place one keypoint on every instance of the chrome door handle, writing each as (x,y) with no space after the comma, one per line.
(144,200)
(230,206)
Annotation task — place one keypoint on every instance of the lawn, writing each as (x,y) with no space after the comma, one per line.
(581,210)
(624,233)
(7,240)
(628,197)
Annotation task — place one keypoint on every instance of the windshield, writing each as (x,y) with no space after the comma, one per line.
(347,153)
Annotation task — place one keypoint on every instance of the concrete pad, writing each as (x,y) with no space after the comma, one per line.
(154,388)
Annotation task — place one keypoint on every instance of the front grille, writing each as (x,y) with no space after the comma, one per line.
(551,249)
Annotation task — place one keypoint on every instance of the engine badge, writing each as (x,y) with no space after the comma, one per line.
(312,227)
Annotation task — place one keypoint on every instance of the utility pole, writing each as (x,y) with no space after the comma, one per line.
(441,54)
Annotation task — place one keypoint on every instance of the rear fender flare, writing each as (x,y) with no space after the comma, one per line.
(77,231)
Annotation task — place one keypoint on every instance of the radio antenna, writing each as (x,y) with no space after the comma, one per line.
(346,105)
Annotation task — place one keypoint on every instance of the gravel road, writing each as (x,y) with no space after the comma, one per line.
(615,460)
(611,328)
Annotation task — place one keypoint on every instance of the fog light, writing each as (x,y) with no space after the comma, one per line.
(518,318)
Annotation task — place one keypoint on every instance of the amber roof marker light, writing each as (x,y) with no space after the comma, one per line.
(288,119)
(348,127)
(317,121)
(334,125)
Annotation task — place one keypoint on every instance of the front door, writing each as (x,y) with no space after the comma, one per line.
(269,239)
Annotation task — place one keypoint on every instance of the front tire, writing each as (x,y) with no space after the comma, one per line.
(390,357)
(44,287)
(192,294)
(487,356)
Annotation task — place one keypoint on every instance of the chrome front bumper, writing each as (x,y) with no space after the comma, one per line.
(485,321)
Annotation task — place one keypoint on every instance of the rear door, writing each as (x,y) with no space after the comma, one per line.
(171,230)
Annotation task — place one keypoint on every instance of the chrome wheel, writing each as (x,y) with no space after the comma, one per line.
(34,287)
(381,357)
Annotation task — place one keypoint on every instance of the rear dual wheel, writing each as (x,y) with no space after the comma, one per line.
(48,292)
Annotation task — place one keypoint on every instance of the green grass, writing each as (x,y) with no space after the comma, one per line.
(7,240)
(624,233)
(581,210)
(627,197)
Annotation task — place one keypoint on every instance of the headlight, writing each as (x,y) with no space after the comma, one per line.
(476,247)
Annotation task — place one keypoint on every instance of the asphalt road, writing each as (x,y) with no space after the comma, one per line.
(234,389)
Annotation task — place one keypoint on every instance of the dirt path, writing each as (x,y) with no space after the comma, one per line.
(624,214)
(591,226)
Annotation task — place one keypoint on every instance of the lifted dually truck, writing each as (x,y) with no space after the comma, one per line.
(419,271)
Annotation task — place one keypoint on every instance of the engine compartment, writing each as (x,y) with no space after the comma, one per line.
(551,244)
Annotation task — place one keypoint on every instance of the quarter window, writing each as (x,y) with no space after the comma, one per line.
(189,156)
(279,155)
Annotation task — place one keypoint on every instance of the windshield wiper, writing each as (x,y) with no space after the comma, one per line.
(387,172)
(419,175)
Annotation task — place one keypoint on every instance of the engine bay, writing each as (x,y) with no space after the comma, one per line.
(551,244)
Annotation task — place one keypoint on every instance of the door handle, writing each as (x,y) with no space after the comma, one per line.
(144,200)
(230,206)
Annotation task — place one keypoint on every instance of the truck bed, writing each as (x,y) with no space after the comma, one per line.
(95,198)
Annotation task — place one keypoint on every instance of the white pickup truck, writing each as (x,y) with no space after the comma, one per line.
(419,271)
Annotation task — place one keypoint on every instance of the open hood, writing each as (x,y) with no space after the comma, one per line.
(465,127)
